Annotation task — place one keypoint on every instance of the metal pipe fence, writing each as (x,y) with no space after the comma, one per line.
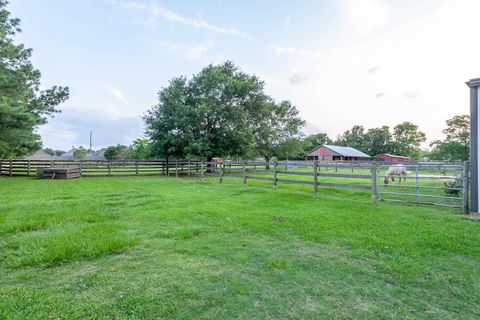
(435,184)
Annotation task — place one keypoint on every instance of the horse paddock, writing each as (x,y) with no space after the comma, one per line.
(166,247)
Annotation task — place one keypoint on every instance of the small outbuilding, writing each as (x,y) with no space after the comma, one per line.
(336,153)
(391,158)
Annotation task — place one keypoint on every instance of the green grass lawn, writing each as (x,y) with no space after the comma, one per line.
(159,247)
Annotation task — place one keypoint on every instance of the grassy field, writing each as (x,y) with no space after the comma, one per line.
(158,247)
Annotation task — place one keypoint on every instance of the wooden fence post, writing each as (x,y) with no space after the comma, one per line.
(275,180)
(109,168)
(466,184)
(222,172)
(28,168)
(244,173)
(189,168)
(136,167)
(11,167)
(202,171)
(315,176)
(176,168)
(373,171)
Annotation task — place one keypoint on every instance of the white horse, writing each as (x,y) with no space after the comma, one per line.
(398,170)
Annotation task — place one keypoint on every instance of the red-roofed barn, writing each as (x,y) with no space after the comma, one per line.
(391,158)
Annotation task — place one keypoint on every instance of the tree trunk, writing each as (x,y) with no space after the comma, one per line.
(267,166)
(209,165)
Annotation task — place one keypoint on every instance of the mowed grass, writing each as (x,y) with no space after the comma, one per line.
(158,247)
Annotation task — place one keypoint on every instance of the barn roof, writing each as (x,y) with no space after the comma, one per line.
(39,155)
(390,156)
(343,151)
(347,151)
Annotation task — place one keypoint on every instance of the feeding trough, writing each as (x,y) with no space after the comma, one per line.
(58,173)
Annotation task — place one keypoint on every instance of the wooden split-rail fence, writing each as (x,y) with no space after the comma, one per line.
(428,181)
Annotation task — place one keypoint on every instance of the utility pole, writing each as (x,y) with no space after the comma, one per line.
(90,149)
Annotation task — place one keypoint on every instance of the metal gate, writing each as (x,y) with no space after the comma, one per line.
(437,184)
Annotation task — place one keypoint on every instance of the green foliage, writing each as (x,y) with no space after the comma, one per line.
(276,129)
(454,184)
(23,106)
(118,152)
(407,139)
(378,141)
(53,152)
(456,145)
(221,111)
(290,148)
(139,149)
(80,153)
(312,141)
(354,138)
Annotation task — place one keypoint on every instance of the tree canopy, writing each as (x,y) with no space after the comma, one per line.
(118,152)
(221,111)
(139,149)
(23,106)
(405,139)
(276,128)
(354,138)
(80,153)
(456,145)
(312,141)
(53,152)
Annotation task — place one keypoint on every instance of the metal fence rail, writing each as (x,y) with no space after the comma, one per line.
(435,184)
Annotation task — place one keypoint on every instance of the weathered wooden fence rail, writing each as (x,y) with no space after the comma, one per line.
(102,168)
(305,173)
(426,183)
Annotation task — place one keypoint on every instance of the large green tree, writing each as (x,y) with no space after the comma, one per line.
(139,149)
(23,106)
(276,128)
(313,141)
(53,152)
(118,152)
(80,153)
(456,145)
(354,138)
(221,111)
(407,139)
(378,141)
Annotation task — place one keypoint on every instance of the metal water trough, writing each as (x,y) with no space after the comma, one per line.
(58,173)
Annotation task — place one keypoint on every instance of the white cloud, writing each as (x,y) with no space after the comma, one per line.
(364,16)
(290,50)
(417,64)
(116,93)
(73,125)
(190,52)
(156,12)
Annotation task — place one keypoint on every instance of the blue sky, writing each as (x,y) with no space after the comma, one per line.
(341,62)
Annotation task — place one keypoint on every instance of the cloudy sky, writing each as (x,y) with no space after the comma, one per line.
(341,62)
